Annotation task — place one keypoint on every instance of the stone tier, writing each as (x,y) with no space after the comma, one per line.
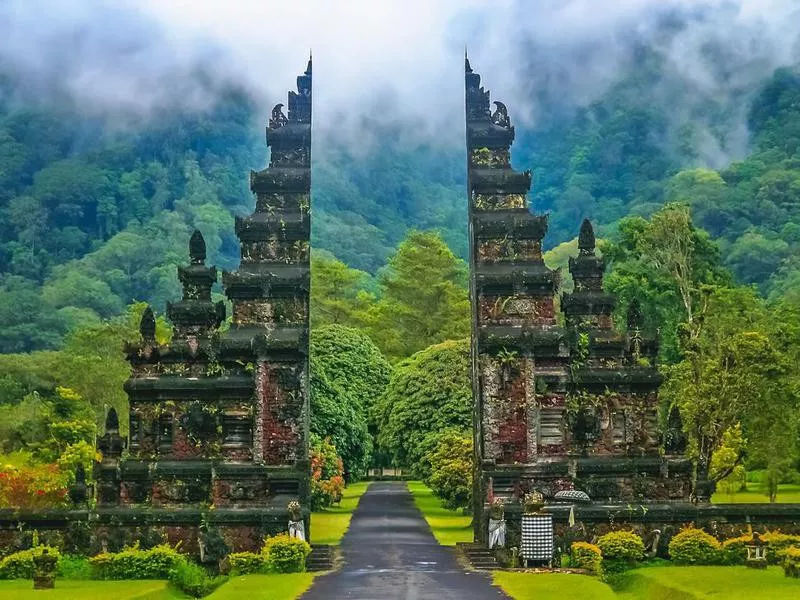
(500,279)
(499,181)
(267,280)
(280,180)
(162,388)
(290,136)
(282,226)
(485,134)
(531,340)
(517,223)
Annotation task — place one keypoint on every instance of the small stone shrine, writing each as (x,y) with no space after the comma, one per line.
(220,419)
(558,408)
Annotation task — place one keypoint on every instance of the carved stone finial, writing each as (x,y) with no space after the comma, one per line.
(277,119)
(147,326)
(197,248)
(112,420)
(308,66)
(467,67)
(586,241)
(500,115)
(634,315)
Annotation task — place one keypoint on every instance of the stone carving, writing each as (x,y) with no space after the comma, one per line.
(277,119)
(500,115)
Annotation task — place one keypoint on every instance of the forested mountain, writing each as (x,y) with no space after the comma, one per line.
(96,213)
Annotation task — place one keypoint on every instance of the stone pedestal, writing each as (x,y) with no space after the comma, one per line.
(44,570)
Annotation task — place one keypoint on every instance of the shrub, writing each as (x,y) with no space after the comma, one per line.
(327,470)
(20,564)
(194,580)
(693,546)
(74,567)
(32,487)
(791,561)
(286,554)
(451,469)
(133,563)
(777,542)
(621,545)
(244,563)
(734,550)
(584,555)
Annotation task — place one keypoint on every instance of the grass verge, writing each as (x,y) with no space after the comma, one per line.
(252,587)
(656,583)
(787,492)
(264,587)
(329,526)
(66,589)
(448,526)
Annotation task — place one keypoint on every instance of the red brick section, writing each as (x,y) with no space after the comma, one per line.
(280,434)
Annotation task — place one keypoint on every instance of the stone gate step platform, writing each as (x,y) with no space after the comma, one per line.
(479,556)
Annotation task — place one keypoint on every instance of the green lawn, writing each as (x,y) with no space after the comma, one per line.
(22,589)
(656,583)
(328,527)
(755,494)
(448,526)
(563,586)
(252,587)
(264,587)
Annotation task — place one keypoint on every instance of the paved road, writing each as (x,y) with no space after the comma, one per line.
(391,554)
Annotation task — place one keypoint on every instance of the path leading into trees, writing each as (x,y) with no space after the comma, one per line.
(390,554)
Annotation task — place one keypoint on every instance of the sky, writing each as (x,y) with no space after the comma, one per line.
(381,60)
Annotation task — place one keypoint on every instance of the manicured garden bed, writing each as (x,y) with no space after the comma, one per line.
(448,526)
(329,526)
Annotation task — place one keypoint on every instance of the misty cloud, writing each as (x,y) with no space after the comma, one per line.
(396,61)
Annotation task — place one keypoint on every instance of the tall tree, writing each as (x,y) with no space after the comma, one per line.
(423,297)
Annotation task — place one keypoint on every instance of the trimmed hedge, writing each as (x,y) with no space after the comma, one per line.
(621,545)
(194,580)
(20,564)
(734,550)
(133,563)
(245,563)
(285,554)
(693,546)
(791,561)
(584,555)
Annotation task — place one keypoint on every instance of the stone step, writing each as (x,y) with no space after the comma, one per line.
(321,558)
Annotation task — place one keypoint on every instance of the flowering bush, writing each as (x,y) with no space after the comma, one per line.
(693,546)
(285,554)
(32,487)
(327,475)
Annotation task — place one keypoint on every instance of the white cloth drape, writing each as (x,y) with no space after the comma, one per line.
(297,529)
(497,533)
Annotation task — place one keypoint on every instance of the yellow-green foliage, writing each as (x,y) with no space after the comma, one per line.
(791,561)
(694,547)
(245,563)
(20,564)
(285,554)
(584,555)
(621,545)
(133,563)
(734,550)
(777,542)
